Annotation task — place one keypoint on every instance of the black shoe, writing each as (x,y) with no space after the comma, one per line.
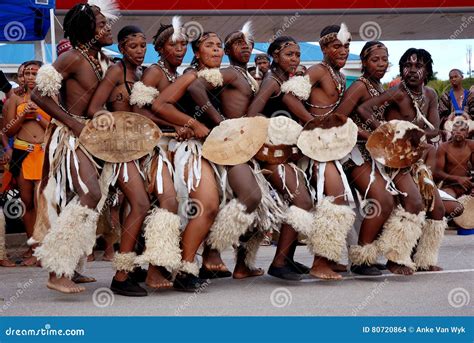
(188,282)
(380,266)
(300,268)
(365,269)
(138,274)
(205,273)
(285,273)
(129,288)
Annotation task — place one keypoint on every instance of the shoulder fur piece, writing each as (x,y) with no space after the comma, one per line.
(142,95)
(48,80)
(299,86)
(213,76)
(109,8)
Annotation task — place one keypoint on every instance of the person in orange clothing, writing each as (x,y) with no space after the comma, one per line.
(26,122)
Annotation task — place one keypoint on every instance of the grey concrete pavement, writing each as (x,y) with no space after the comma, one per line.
(446,293)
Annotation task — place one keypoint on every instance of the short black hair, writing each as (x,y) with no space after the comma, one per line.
(32,62)
(79,24)
(329,29)
(422,55)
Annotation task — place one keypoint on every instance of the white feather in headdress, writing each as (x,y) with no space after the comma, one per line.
(109,8)
(177,28)
(344,35)
(247,32)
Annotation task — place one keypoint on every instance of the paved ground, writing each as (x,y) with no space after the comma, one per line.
(446,293)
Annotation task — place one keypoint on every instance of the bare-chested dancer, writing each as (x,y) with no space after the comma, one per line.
(195,178)
(70,183)
(454,166)
(321,90)
(238,90)
(413,102)
(285,52)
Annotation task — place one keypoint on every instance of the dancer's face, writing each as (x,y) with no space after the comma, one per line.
(30,73)
(134,48)
(21,77)
(210,52)
(336,53)
(455,78)
(460,132)
(414,71)
(103,33)
(240,50)
(288,59)
(174,52)
(376,64)
(263,65)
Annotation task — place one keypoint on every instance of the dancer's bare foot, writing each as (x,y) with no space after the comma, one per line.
(155,278)
(242,272)
(212,260)
(79,278)
(30,262)
(322,269)
(63,285)
(430,269)
(7,263)
(91,258)
(108,253)
(338,267)
(396,268)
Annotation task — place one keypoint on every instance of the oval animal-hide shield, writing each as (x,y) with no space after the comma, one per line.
(120,136)
(396,144)
(466,219)
(235,141)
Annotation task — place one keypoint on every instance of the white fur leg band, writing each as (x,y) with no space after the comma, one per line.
(48,80)
(364,254)
(189,268)
(124,262)
(213,76)
(231,222)
(251,248)
(299,86)
(429,243)
(162,238)
(300,220)
(399,236)
(71,237)
(142,95)
(330,228)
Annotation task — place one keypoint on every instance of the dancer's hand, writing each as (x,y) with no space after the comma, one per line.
(201,130)
(77,129)
(465,182)
(184,133)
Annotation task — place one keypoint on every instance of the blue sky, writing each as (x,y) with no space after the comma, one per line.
(446,54)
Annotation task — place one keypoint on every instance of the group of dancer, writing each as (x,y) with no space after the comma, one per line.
(305,199)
